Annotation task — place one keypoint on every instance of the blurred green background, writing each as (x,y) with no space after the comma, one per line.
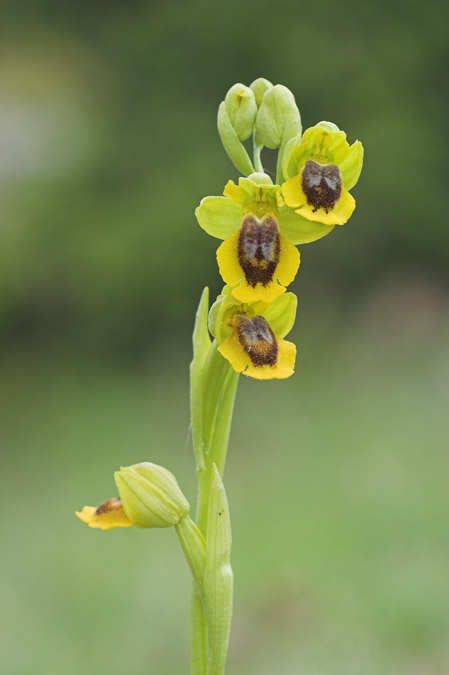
(336,477)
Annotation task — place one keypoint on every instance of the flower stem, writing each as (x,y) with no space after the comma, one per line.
(257,149)
(215,384)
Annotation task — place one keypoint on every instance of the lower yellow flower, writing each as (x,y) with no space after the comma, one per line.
(254,349)
(250,335)
(258,261)
(109,515)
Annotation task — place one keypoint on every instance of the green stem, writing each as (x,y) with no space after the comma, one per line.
(198,634)
(257,149)
(219,387)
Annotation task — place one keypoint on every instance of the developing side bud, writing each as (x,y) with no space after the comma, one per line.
(242,109)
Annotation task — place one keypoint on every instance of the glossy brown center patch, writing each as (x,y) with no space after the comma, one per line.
(321,185)
(258,250)
(257,340)
(113,504)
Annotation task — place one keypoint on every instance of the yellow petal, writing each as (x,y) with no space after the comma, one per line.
(228,261)
(337,216)
(288,264)
(234,192)
(232,350)
(294,197)
(293,193)
(284,367)
(108,515)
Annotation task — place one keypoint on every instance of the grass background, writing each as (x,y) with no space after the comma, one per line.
(336,477)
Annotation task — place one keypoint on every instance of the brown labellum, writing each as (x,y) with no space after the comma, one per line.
(321,184)
(257,340)
(113,504)
(258,250)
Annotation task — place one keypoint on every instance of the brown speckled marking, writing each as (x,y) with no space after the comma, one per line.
(113,504)
(257,340)
(258,250)
(321,184)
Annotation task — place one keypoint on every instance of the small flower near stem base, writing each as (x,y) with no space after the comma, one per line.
(149,497)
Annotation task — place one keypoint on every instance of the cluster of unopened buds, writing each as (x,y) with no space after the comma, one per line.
(260,222)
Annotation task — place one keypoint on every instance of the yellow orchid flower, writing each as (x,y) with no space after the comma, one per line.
(256,259)
(149,497)
(320,171)
(250,335)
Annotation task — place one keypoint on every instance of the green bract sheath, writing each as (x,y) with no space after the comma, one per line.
(218,577)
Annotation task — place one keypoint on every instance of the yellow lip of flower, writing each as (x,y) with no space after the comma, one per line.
(254,343)
(107,516)
(319,172)
(257,260)
(318,194)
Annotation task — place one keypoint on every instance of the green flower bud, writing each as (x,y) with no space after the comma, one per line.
(242,110)
(278,118)
(329,126)
(259,87)
(150,495)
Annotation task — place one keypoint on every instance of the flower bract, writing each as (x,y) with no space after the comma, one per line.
(320,171)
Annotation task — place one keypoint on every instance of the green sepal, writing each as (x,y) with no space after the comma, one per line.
(281,314)
(241,107)
(231,143)
(201,348)
(278,106)
(259,87)
(289,162)
(292,130)
(300,230)
(218,577)
(351,167)
(217,325)
(219,216)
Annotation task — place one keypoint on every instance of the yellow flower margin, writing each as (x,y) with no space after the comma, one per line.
(323,144)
